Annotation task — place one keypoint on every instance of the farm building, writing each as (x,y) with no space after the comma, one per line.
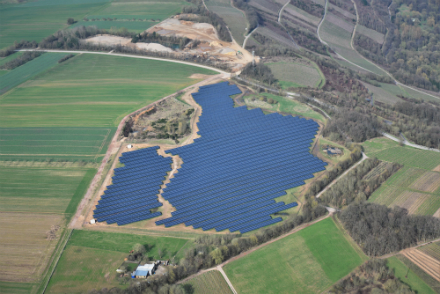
(144,271)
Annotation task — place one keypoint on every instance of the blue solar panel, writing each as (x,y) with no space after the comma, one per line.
(230,176)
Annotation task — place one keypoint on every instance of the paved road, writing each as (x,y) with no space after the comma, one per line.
(128,55)
(389,136)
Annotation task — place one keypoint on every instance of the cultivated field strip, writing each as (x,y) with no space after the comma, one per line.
(24,247)
(211,282)
(28,70)
(432,250)
(428,182)
(427,263)
(410,200)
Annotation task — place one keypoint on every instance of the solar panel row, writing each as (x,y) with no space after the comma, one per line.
(230,176)
(243,160)
(135,187)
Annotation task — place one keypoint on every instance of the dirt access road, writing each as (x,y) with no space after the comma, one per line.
(79,218)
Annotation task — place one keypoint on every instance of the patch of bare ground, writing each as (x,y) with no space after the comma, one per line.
(437,168)
(27,241)
(427,263)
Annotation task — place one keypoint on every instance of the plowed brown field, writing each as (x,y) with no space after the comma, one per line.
(427,263)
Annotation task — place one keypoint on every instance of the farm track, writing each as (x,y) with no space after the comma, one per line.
(280,13)
(341,176)
(113,148)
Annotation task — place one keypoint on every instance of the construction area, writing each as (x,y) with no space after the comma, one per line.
(206,43)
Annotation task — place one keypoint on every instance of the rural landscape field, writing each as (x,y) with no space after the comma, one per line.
(216,146)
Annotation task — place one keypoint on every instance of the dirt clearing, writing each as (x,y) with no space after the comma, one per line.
(25,248)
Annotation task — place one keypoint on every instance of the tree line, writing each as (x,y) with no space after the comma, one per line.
(20,60)
(330,175)
(381,230)
(259,72)
(252,15)
(374,276)
(355,186)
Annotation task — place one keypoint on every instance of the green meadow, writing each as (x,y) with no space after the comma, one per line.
(34,21)
(308,261)
(28,70)
(43,190)
(211,282)
(71,110)
(408,276)
(388,150)
(121,242)
(92,257)
(291,74)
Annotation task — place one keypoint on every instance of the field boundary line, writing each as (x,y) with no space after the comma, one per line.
(58,259)
(128,55)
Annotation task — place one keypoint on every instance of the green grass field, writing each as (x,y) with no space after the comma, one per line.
(16,288)
(388,150)
(29,70)
(291,74)
(211,282)
(121,242)
(47,190)
(92,257)
(135,26)
(50,115)
(398,188)
(284,105)
(81,269)
(36,20)
(408,276)
(308,261)
(382,94)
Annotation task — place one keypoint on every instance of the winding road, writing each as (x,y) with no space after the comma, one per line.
(351,43)
(280,13)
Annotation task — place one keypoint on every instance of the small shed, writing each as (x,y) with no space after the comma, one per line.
(92,221)
(129,146)
(144,271)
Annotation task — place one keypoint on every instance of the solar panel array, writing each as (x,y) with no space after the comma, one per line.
(135,187)
(230,176)
(243,160)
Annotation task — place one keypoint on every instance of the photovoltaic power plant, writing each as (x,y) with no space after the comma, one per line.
(230,176)
(243,160)
(135,188)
